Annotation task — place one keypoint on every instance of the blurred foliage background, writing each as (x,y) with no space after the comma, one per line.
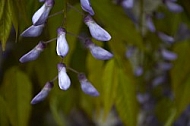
(146,83)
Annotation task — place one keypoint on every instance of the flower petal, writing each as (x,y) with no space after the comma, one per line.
(43,93)
(150,24)
(168,55)
(100,53)
(127,3)
(173,7)
(166,38)
(86,86)
(62,47)
(33,54)
(85,4)
(96,31)
(33,31)
(41,15)
(63,78)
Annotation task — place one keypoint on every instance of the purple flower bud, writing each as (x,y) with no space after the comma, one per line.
(63,78)
(98,52)
(41,14)
(138,71)
(166,38)
(158,80)
(33,31)
(96,31)
(42,0)
(86,86)
(150,24)
(85,4)
(173,7)
(130,51)
(62,45)
(168,55)
(43,93)
(34,53)
(164,66)
(183,32)
(127,3)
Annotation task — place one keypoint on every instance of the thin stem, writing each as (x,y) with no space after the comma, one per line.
(55,78)
(50,40)
(69,5)
(76,35)
(141,16)
(73,70)
(57,13)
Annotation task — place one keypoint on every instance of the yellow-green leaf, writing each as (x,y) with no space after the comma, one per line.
(5,24)
(126,103)
(16,90)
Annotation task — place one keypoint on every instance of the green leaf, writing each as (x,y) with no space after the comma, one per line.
(2,5)
(126,103)
(180,77)
(16,90)
(3,112)
(5,24)
(109,85)
(116,22)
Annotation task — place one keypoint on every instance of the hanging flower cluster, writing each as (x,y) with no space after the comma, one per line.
(39,20)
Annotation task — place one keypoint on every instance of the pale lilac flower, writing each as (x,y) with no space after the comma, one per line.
(164,66)
(173,7)
(98,52)
(158,80)
(150,24)
(86,86)
(96,31)
(130,51)
(86,6)
(33,31)
(127,3)
(43,93)
(34,53)
(41,15)
(182,33)
(63,79)
(138,71)
(42,0)
(166,38)
(62,47)
(168,55)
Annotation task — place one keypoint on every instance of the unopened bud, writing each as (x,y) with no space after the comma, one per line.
(96,31)
(62,47)
(98,52)
(34,53)
(33,31)
(41,15)
(173,7)
(168,55)
(63,79)
(43,93)
(127,4)
(86,86)
(165,38)
(86,6)
(150,24)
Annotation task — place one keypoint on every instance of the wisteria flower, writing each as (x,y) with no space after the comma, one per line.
(86,86)
(150,24)
(33,31)
(43,93)
(63,79)
(98,52)
(41,15)
(165,38)
(96,31)
(34,53)
(168,55)
(127,3)
(86,6)
(62,47)
(173,7)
